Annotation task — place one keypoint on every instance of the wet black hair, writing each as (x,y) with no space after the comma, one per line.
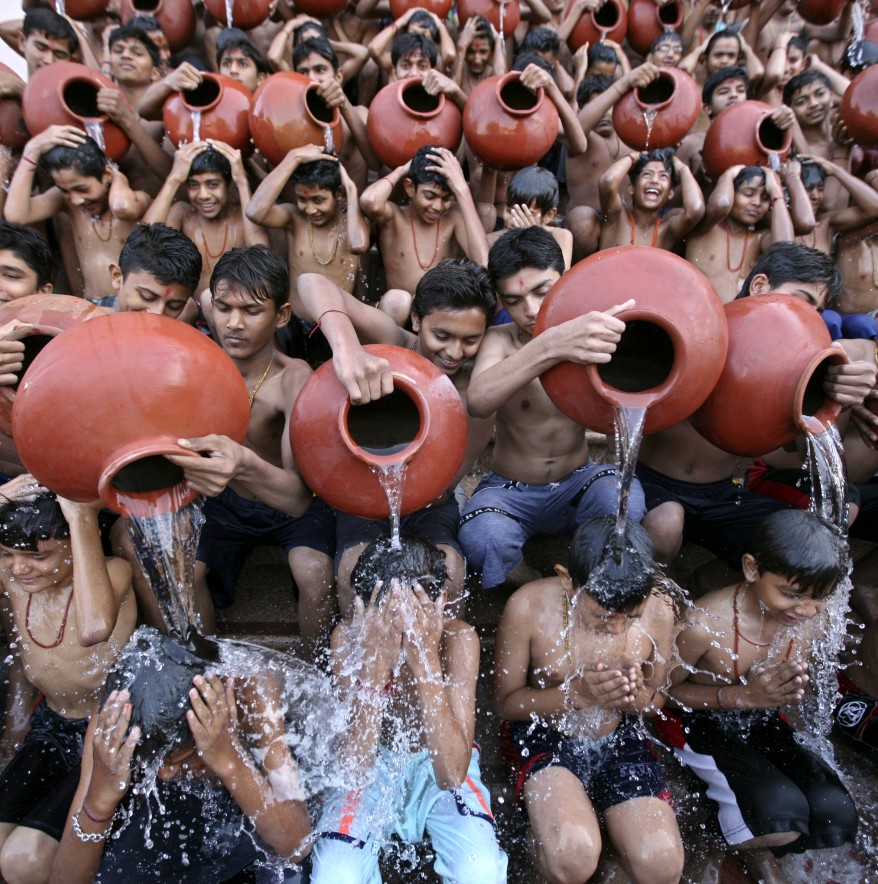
(455,284)
(618,583)
(416,560)
(408,44)
(323,174)
(211,160)
(792,262)
(29,246)
(717,78)
(523,59)
(145,22)
(541,40)
(812,176)
(247,49)
(800,81)
(169,255)
(522,248)
(48,22)
(533,184)
(87,159)
(309,26)
(131,32)
(731,31)
(255,270)
(24,523)
(799,42)
(316,46)
(420,174)
(423,19)
(484,32)
(600,53)
(666,37)
(664,155)
(747,174)
(802,548)
(591,85)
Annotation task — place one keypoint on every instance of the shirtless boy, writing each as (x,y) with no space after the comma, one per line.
(217,191)
(407,673)
(255,496)
(580,656)
(63,650)
(478,54)
(541,479)
(652,179)
(45,38)
(27,264)
(93,194)
(325,231)
(745,655)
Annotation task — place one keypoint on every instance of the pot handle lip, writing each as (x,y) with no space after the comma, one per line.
(828,414)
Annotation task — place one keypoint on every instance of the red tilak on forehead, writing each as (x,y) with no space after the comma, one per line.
(167,292)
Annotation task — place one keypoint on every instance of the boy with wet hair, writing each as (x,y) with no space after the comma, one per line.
(439,221)
(150,24)
(479,54)
(744,655)
(66,642)
(217,191)
(407,673)
(541,479)
(653,177)
(27,263)
(580,656)
(412,55)
(325,231)
(239,59)
(93,195)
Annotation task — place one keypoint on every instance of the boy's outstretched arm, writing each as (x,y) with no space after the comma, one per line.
(591,114)
(693,201)
(534,77)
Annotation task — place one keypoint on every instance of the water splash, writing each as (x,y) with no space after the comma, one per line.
(629,432)
(649,117)
(858,26)
(196,125)
(392,478)
(774,160)
(229,7)
(500,27)
(95,129)
(60,7)
(328,140)
(826,467)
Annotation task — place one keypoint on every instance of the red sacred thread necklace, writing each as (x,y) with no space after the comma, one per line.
(415,240)
(60,637)
(729,250)
(655,231)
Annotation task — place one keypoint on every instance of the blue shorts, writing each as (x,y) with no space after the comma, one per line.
(612,769)
(502,515)
(235,526)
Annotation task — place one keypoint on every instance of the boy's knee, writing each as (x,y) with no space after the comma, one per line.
(833,818)
(574,857)
(26,857)
(781,801)
(657,863)
(482,532)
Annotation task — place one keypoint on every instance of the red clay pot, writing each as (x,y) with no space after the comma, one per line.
(859,108)
(675,100)
(610,22)
(176,17)
(779,350)
(422,424)
(224,105)
(646,20)
(671,353)
(440,8)
(743,135)
(507,125)
(13,132)
(50,315)
(66,93)
(246,14)
(286,113)
(105,400)
(820,12)
(321,8)
(491,10)
(403,117)
(83,10)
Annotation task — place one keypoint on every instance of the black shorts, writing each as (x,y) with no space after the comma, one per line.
(235,526)
(38,785)
(613,769)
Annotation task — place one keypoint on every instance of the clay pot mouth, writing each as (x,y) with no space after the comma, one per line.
(33,346)
(204,96)
(80,97)
(146,6)
(140,481)
(321,113)
(669,17)
(657,94)
(771,138)
(515,98)
(389,430)
(607,17)
(417,102)
(810,403)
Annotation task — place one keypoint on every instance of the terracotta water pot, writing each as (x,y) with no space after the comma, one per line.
(674,103)
(422,424)
(507,125)
(224,105)
(779,350)
(671,353)
(610,22)
(440,8)
(105,400)
(647,20)
(49,315)
(287,113)
(176,17)
(246,14)
(744,134)
(403,117)
(13,132)
(321,8)
(859,108)
(83,10)
(820,12)
(493,10)
(66,94)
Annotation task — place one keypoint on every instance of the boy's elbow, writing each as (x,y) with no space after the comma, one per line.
(95,633)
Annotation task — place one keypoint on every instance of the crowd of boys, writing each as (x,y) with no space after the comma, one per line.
(287,266)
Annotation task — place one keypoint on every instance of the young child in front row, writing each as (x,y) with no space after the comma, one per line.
(744,656)
(67,611)
(579,657)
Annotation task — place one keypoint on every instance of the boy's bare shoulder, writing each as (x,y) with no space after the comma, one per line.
(529,603)
(295,371)
(501,337)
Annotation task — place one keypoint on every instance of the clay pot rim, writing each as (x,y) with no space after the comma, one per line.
(539,96)
(206,75)
(664,74)
(787,135)
(621,12)
(158,501)
(664,25)
(405,384)
(830,410)
(79,78)
(410,83)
